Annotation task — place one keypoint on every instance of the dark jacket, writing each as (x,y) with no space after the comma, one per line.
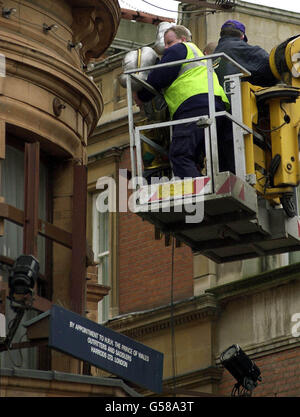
(253,58)
(163,77)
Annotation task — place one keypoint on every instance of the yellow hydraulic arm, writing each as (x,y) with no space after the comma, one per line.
(274,113)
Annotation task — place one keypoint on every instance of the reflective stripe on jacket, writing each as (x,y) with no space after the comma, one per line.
(191,80)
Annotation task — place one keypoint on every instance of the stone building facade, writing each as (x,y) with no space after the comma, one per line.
(181,304)
(49,107)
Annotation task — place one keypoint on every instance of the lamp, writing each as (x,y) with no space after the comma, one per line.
(48,28)
(21,281)
(242,368)
(76,46)
(8,12)
(22,278)
(88,67)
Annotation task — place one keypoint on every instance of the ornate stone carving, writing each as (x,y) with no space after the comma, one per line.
(95,25)
(58,106)
(83,22)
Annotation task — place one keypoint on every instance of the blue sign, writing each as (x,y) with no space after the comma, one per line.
(102,347)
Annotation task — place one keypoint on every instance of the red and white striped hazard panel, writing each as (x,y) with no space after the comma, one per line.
(177,189)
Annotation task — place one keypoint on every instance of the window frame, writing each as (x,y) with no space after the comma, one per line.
(101,257)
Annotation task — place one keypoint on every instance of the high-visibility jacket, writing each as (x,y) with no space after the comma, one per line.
(191,80)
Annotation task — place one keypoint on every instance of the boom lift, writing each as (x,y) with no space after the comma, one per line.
(223,216)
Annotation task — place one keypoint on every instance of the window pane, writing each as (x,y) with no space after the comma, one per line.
(11,245)
(101,253)
(12,189)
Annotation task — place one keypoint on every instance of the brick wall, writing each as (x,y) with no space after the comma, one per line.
(280,376)
(145,264)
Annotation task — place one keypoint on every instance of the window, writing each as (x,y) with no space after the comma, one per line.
(11,244)
(101,244)
(12,189)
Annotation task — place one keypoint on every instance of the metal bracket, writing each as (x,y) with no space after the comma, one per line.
(14,327)
(58,106)
(204,121)
(251,179)
(229,85)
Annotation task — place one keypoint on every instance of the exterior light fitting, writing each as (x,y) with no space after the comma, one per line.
(88,67)
(242,368)
(58,106)
(76,46)
(47,28)
(8,12)
(22,279)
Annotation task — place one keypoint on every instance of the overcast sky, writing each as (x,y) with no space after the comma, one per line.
(163,6)
(291,5)
(144,6)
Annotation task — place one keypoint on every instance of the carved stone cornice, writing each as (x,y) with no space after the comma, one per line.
(56,75)
(32,382)
(110,155)
(142,323)
(190,383)
(95,23)
(54,137)
(40,63)
(194,379)
(96,292)
(51,78)
(256,283)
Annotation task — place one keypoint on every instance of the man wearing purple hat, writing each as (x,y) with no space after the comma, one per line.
(234,43)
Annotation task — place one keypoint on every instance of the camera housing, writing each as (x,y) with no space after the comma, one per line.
(241,367)
(23,275)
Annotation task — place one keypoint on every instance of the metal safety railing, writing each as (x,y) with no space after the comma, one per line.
(208,122)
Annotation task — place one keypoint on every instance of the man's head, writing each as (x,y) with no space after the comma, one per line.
(210,48)
(176,34)
(234,28)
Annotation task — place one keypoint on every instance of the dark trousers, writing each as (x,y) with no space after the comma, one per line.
(188,143)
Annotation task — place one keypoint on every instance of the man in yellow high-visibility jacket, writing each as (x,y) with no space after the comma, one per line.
(185,90)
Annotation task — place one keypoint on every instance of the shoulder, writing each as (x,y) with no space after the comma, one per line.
(175,53)
(259,49)
(230,41)
(238,46)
